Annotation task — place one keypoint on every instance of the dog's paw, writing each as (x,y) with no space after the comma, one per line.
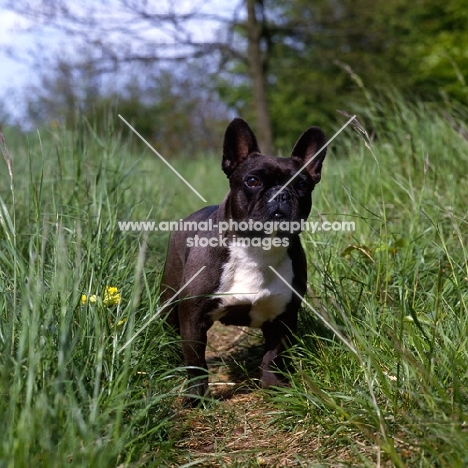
(270,379)
(195,395)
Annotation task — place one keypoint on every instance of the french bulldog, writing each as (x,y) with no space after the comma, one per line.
(237,285)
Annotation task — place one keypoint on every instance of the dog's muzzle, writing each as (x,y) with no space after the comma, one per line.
(281,207)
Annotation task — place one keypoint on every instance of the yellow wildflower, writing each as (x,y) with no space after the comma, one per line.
(111,296)
(92,299)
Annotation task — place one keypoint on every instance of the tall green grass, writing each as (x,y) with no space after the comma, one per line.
(397,290)
(69,395)
(392,388)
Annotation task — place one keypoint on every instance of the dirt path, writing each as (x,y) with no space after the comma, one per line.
(242,429)
(233,356)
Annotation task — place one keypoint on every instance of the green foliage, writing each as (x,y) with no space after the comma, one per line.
(320,57)
(70,394)
(169,112)
(161,106)
(324,56)
(438,48)
(390,390)
(396,290)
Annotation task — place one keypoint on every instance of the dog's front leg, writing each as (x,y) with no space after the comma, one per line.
(278,337)
(193,332)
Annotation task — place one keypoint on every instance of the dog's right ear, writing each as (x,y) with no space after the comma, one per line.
(239,142)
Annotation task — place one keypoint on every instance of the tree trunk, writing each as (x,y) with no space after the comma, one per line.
(257,66)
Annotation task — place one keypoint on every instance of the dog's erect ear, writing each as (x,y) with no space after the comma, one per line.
(239,142)
(306,148)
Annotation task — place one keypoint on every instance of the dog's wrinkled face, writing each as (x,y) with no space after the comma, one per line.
(255,178)
(259,178)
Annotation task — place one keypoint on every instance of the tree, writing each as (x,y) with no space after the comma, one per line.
(156,37)
(258,61)
(168,109)
(328,55)
(285,64)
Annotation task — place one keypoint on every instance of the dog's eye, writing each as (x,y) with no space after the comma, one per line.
(303,186)
(252,182)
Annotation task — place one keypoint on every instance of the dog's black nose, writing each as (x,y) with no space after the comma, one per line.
(281,207)
(283,196)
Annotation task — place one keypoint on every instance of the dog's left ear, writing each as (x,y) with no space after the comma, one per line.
(239,142)
(306,149)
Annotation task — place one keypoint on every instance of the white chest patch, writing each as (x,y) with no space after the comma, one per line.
(247,279)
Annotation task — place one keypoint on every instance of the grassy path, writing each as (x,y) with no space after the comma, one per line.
(81,386)
(240,427)
(239,430)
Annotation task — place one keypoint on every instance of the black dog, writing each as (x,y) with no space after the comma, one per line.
(237,287)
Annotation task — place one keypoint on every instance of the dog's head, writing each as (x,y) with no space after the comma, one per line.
(268,188)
